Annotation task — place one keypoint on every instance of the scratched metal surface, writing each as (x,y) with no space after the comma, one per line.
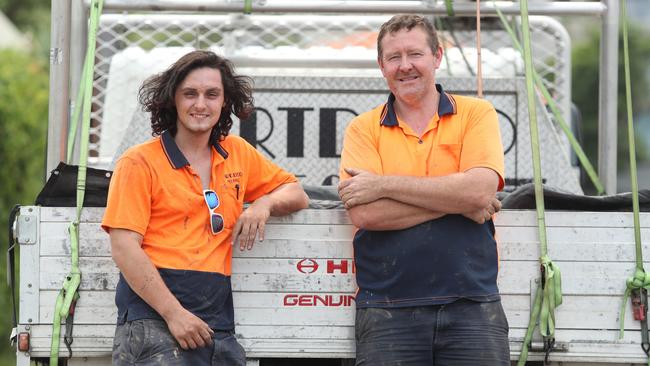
(293,293)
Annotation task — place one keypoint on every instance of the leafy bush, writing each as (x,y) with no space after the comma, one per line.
(23,130)
(585,90)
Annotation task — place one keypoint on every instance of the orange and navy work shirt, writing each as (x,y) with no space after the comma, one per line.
(155,192)
(442,260)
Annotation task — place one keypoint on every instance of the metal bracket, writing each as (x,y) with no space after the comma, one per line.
(26,229)
(558,347)
(13,337)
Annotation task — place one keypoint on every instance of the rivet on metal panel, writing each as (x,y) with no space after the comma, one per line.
(26,218)
(27,327)
(29,320)
(30,209)
(29,285)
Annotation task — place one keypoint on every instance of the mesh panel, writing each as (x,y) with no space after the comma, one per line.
(132,47)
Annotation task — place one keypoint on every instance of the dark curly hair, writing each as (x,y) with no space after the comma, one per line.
(156,95)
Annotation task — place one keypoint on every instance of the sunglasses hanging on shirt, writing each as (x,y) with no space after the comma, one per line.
(216,220)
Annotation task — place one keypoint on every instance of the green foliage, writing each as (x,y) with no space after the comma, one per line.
(33,18)
(23,127)
(585,90)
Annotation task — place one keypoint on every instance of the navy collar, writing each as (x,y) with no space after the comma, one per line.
(446,106)
(174,154)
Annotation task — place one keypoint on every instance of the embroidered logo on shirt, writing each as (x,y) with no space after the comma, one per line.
(233,177)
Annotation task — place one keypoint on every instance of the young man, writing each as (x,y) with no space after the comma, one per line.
(419,176)
(175,210)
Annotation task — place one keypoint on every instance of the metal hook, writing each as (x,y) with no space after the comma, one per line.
(549,344)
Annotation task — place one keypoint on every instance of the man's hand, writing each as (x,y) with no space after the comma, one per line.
(189,331)
(484,214)
(283,200)
(251,224)
(363,187)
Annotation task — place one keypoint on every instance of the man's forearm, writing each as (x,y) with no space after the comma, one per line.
(143,277)
(387,214)
(456,193)
(286,199)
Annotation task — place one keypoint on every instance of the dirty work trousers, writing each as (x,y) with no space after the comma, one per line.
(463,333)
(147,342)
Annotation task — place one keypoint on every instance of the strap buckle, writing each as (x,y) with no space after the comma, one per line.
(69,323)
(639,306)
(549,344)
(639,300)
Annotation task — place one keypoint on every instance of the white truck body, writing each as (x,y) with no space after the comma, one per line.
(294,294)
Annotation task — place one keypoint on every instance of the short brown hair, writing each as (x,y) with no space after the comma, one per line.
(408,22)
(157,93)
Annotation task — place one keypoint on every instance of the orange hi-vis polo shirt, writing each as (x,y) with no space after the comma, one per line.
(155,192)
(442,260)
(453,142)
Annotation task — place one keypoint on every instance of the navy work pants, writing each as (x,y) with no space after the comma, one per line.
(147,342)
(457,334)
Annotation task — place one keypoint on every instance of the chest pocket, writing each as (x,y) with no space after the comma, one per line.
(231,205)
(445,159)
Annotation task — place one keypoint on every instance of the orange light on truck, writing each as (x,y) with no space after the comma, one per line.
(23,342)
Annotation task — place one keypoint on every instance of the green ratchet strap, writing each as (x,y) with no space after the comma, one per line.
(64,308)
(450,8)
(549,293)
(638,284)
(248,6)
(74,122)
(582,157)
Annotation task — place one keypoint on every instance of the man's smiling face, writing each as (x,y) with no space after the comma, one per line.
(199,99)
(408,64)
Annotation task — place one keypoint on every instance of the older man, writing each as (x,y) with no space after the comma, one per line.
(419,176)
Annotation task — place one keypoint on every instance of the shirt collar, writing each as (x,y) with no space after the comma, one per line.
(446,105)
(174,154)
